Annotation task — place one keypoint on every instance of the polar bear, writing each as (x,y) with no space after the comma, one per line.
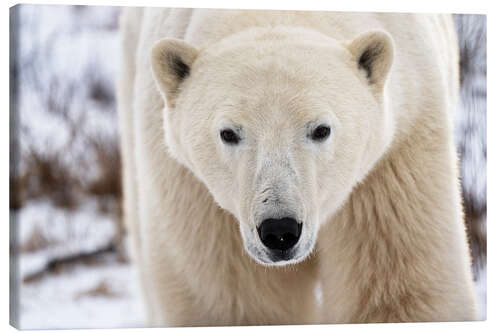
(271,154)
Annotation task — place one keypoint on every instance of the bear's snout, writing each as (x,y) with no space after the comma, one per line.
(279,235)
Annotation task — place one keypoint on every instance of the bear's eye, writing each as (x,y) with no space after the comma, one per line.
(321,133)
(229,136)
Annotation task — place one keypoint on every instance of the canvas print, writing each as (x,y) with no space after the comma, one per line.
(214,167)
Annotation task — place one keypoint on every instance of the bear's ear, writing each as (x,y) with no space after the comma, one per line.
(374,52)
(171,61)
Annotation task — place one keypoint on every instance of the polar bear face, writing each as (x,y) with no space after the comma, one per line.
(279,124)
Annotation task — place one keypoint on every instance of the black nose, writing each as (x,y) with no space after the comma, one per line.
(280,234)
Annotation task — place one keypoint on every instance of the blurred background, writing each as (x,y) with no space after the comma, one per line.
(69,264)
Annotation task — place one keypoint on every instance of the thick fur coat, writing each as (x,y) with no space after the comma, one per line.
(376,196)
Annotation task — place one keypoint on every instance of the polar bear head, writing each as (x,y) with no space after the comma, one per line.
(280,124)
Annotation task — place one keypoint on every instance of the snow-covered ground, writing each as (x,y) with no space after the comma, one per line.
(104,296)
(100,293)
(65,233)
(480,285)
(60,47)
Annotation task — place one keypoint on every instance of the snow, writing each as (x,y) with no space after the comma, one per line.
(67,232)
(480,286)
(59,301)
(62,299)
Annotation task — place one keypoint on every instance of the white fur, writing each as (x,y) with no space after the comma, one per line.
(378,199)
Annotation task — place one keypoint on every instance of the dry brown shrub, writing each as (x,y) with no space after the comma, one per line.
(107,153)
(102,289)
(47,176)
(37,241)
